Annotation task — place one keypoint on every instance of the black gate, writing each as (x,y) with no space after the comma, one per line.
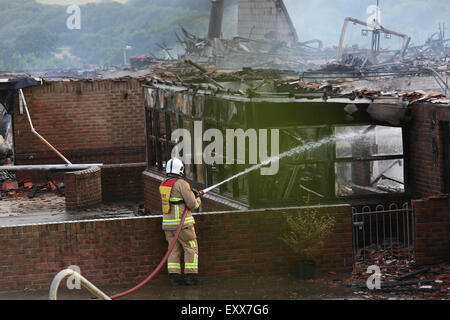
(388,231)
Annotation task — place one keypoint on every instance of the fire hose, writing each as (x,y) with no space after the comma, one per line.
(161,264)
(101,295)
(98,293)
(166,256)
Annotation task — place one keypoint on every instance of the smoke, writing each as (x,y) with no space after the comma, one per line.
(108,26)
(323,19)
(230,19)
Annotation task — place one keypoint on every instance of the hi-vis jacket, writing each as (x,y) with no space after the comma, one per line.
(176,194)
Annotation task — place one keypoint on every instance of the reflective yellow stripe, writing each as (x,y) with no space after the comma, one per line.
(173,265)
(193,265)
(192,243)
(176,199)
(174,222)
(177,220)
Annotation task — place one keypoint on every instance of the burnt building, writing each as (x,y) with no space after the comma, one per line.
(370,144)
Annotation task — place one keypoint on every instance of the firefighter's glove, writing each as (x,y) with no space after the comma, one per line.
(199,202)
(196,193)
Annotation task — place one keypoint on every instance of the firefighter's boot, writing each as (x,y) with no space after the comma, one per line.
(177,280)
(192,279)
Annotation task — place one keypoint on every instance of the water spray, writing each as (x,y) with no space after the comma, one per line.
(293,151)
(296,150)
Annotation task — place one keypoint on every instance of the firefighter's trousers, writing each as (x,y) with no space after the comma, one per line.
(187,243)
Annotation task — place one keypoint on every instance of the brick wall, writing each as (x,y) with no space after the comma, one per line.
(425,168)
(122,182)
(125,251)
(83,188)
(99,121)
(432,229)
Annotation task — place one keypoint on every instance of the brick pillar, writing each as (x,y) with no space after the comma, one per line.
(83,188)
(432,229)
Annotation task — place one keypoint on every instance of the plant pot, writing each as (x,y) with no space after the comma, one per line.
(305,269)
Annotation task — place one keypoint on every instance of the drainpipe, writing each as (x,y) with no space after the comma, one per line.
(215,19)
(36,133)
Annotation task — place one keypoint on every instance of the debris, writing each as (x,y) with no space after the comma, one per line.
(412,274)
(10,185)
(400,277)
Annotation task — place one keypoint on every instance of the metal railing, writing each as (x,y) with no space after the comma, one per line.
(384,230)
(83,281)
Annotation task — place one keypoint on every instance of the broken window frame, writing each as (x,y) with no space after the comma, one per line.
(369,159)
(213,112)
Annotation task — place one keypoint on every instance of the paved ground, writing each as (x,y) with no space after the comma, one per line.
(253,288)
(46,207)
(49,207)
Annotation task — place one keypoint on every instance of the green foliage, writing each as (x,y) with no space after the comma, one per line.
(307,231)
(30,28)
(32,33)
(37,41)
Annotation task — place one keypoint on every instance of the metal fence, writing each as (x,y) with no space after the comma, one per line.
(387,230)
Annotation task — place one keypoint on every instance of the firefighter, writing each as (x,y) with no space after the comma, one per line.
(176,195)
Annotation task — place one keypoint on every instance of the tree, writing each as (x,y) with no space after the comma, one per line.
(38,41)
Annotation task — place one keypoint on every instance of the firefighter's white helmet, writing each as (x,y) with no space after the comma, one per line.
(175,166)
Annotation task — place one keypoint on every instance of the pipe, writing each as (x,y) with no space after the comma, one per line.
(84,282)
(64,273)
(161,264)
(406,39)
(215,19)
(163,261)
(36,133)
(99,294)
(51,167)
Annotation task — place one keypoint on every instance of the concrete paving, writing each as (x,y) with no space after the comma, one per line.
(49,207)
(223,288)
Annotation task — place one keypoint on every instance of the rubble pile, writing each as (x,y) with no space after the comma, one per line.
(284,81)
(400,279)
(241,52)
(353,64)
(13,188)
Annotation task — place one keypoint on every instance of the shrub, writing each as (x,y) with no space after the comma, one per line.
(307,231)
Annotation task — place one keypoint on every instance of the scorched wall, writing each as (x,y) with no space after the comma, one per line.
(427,163)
